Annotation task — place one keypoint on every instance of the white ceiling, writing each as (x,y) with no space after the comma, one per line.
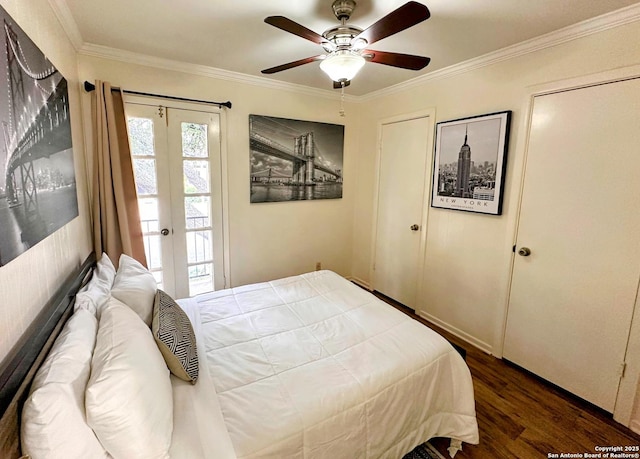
(231,35)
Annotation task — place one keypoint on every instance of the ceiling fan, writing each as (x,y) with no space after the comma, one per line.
(346,45)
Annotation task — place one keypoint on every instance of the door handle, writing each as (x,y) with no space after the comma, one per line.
(414,227)
(164,231)
(524,251)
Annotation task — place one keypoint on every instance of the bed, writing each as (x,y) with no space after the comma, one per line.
(309,366)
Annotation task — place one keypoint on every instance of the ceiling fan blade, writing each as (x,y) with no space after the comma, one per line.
(293,64)
(337,85)
(404,61)
(293,27)
(406,16)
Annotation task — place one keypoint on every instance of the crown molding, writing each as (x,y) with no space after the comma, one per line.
(598,24)
(585,28)
(63,13)
(120,55)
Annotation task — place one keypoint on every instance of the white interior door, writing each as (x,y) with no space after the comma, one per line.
(177,163)
(401,189)
(572,297)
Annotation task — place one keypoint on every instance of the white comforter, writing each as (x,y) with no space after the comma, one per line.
(312,366)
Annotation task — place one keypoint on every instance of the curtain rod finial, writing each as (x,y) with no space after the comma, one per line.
(89,86)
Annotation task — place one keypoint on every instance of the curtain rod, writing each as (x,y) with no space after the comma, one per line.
(91,87)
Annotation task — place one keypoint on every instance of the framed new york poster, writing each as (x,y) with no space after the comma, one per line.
(470,163)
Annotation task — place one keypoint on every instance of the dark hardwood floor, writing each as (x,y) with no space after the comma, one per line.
(521,416)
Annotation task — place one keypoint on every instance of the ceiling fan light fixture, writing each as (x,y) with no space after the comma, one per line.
(342,65)
(329,47)
(358,43)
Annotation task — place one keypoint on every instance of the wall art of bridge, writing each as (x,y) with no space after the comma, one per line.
(39,188)
(49,131)
(303,155)
(48,134)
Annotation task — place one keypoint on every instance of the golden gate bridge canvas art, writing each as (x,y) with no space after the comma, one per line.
(37,177)
(293,160)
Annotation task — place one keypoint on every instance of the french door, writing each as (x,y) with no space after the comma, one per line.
(176,155)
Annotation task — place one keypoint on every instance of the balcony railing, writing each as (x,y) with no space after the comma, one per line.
(199,248)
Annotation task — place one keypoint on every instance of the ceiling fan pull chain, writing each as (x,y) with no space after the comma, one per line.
(341,99)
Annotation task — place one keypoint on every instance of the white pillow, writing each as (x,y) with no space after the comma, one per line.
(94,295)
(128,399)
(136,287)
(53,416)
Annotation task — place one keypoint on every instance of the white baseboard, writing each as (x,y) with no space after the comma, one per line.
(360,282)
(457,332)
(484,347)
(635,426)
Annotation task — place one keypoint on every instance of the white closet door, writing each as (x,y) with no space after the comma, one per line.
(572,298)
(401,200)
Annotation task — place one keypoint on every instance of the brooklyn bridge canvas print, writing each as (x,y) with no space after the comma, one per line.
(37,177)
(293,160)
(470,163)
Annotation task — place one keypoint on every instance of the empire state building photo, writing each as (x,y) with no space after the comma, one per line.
(464,170)
(470,163)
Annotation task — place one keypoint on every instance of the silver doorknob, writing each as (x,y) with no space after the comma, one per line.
(524,251)
(164,231)
(414,227)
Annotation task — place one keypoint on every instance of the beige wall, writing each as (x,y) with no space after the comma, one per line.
(468,256)
(267,240)
(28,281)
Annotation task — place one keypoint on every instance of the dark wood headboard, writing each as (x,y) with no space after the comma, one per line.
(19,367)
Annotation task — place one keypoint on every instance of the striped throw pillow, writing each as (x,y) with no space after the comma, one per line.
(175,338)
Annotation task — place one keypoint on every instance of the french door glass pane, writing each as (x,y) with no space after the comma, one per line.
(141,136)
(194,140)
(200,278)
(197,210)
(152,251)
(157,275)
(196,176)
(149,214)
(199,246)
(142,143)
(145,173)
